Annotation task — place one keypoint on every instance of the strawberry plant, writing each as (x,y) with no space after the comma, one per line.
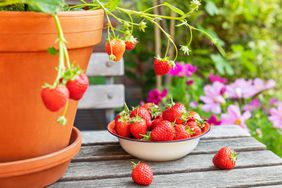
(119,39)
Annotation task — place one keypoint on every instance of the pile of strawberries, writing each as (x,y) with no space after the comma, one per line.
(115,48)
(149,122)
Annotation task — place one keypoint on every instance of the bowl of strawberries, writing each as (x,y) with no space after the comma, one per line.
(150,133)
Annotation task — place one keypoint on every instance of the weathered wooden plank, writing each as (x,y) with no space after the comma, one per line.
(191,163)
(218,178)
(226,131)
(103,96)
(114,151)
(100,65)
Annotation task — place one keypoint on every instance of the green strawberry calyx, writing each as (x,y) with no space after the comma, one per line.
(146,137)
(166,60)
(234,155)
(62,120)
(136,119)
(189,130)
(112,57)
(134,164)
(201,123)
(155,111)
(131,38)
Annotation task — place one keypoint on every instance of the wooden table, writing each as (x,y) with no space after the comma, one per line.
(102,163)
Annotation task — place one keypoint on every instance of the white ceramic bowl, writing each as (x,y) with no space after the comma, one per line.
(156,151)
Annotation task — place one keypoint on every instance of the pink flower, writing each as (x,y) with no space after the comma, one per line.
(234,116)
(190,69)
(177,70)
(182,69)
(260,85)
(273,101)
(255,104)
(155,96)
(241,88)
(215,78)
(276,116)
(213,120)
(193,104)
(213,98)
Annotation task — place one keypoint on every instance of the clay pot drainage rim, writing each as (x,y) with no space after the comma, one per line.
(17,168)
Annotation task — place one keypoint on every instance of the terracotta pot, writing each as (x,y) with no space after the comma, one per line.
(28,129)
(40,171)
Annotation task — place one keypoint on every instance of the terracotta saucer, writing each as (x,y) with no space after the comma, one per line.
(39,171)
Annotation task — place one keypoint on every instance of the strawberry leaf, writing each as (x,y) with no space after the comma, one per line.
(52,51)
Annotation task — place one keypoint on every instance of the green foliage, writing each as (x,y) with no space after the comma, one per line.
(46,6)
(261,128)
(246,30)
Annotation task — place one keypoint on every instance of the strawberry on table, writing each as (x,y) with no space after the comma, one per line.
(142,174)
(77,86)
(225,159)
(130,42)
(143,113)
(181,132)
(55,98)
(164,131)
(138,127)
(162,66)
(115,48)
(176,113)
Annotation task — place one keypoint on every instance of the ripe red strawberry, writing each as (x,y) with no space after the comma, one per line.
(175,113)
(164,131)
(181,132)
(153,109)
(130,42)
(78,86)
(138,127)
(142,174)
(191,123)
(194,115)
(56,98)
(148,105)
(143,113)
(122,124)
(162,66)
(194,129)
(225,159)
(205,128)
(155,123)
(115,48)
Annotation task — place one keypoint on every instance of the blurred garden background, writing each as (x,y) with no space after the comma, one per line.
(233,77)
(238,83)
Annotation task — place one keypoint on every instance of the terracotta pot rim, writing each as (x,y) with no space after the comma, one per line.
(21,167)
(81,13)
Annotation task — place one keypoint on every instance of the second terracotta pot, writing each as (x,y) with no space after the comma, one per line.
(27,128)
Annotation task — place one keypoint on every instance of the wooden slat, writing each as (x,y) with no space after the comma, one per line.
(218,178)
(114,151)
(191,163)
(100,65)
(226,131)
(103,96)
